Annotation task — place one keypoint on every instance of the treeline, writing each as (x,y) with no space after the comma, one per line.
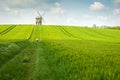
(107,27)
(115,27)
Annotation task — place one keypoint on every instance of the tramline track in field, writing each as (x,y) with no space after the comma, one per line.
(3,27)
(107,35)
(7,30)
(66,32)
(31,34)
(18,33)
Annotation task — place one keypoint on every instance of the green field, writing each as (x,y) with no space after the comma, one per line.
(62,53)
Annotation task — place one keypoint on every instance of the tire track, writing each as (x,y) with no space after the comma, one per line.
(59,27)
(32,37)
(66,32)
(42,67)
(63,31)
(8,29)
(31,34)
(5,29)
(102,34)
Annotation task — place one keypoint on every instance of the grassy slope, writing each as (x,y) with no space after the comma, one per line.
(17,54)
(65,53)
(73,53)
(21,32)
(84,60)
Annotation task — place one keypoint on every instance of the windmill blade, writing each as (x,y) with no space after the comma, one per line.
(39,13)
(43,14)
(43,19)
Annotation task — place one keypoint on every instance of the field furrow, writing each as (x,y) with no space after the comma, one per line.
(7,30)
(49,32)
(71,35)
(4,27)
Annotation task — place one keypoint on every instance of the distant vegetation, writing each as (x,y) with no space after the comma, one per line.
(62,53)
(115,27)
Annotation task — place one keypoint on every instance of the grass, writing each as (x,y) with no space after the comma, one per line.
(21,66)
(8,51)
(3,27)
(62,53)
(21,32)
(81,60)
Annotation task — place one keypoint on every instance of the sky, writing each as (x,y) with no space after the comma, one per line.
(61,12)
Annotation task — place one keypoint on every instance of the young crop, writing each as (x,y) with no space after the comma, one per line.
(46,52)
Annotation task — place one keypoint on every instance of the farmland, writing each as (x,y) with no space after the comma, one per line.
(62,53)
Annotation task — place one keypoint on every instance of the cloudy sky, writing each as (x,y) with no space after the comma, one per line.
(61,12)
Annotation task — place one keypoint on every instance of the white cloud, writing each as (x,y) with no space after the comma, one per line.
(69,20)
(25,4)
(21,1)
(86,16)
(117,1)
(57,9)
(13,11)
(102,17)
(57,4)
(116,11)
(7,9)
(97,6)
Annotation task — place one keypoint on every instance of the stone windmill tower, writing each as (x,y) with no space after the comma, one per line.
(39,19)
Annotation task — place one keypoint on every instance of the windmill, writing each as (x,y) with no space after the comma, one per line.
(39,19)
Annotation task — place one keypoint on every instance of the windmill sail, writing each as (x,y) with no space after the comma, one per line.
(39,19)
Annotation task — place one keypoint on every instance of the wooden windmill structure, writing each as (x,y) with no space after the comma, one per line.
(39,19)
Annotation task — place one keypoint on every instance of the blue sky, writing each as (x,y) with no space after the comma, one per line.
(61,12)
